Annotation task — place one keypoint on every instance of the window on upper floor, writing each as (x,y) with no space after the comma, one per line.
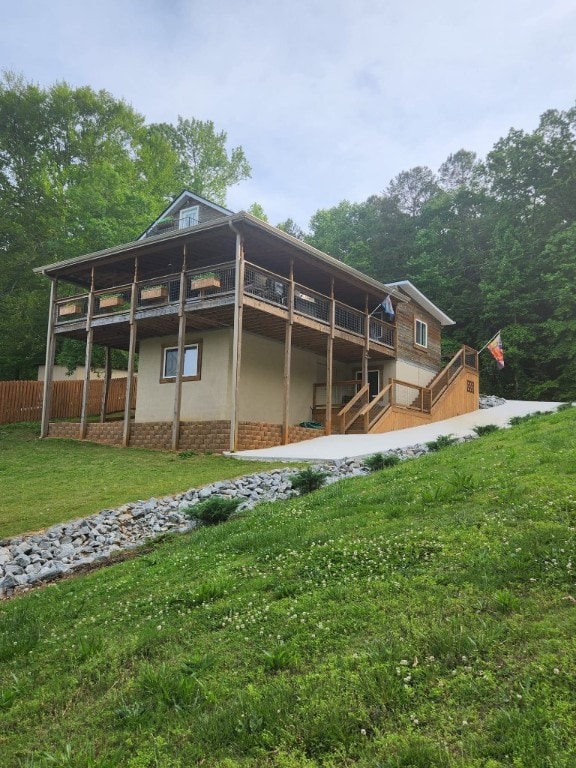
(420,333)
(189,217)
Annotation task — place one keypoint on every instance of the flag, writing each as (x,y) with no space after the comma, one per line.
(388,309)
(495,349)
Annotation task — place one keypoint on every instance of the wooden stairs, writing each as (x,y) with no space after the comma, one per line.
(453,391)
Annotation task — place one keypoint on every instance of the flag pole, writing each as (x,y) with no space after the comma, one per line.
(489,342)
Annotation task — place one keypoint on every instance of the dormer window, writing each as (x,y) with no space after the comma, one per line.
(189,217)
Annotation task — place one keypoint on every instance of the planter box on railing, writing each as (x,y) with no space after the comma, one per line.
(107,302)
(68,310)
(201,283)
(154,294)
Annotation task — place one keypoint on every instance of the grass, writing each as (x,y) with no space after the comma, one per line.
(49,481)
(418,618)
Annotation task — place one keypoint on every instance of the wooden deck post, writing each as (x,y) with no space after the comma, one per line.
(131,355)
(330,362)
(106,383)
(237,338)
(49,365)
(180,356)
(365,356)
(87,360)
(288,358)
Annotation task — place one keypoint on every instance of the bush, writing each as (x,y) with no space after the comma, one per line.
(442,441)
(485,429)
(215,510)
(379,461)
(308,480)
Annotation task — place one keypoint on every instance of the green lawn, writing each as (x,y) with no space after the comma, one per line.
(421,617)
(50,481)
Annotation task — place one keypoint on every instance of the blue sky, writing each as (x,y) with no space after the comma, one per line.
(329,99)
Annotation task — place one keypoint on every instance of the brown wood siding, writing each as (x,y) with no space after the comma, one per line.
(406,315)
(206,213)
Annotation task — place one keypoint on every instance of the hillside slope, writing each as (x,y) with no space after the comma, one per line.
(421,616)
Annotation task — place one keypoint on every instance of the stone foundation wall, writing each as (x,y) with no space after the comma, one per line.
(64,429)
(110,432)
(152,434)
(203,436)
(200,436)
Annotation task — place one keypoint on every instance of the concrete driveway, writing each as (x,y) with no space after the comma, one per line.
(353,446)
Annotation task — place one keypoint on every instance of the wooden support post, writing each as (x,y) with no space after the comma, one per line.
(87,360)
(288,358)
(131,355)
(237,339)
(180,356)
(49,364)
(106,383)
(366,356)
(330,362)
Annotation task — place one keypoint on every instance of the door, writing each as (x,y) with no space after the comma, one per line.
(373,381)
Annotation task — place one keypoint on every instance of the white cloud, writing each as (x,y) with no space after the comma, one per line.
(329,99)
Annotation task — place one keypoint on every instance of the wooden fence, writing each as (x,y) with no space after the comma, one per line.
(22,400)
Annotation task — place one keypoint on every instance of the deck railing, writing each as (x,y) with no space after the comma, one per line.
(219,281)
(355,410)
(342,392)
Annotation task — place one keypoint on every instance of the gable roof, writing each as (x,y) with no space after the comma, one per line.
(419,298)
(176,204)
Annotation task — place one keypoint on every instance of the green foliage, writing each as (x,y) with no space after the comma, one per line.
(324,630)
(19,633)
(91,477)
(80,171)
(491,242)
(379,461)
(308,480)
(215,510)
(485,429)
(442,441)
(281,657)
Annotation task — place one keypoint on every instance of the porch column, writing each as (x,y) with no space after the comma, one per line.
(180,356)
(366,355)
(106,383)
(49,364)
(87,361)
(330,362)
(131,355)
(288,357)
(366,343)
(237,338)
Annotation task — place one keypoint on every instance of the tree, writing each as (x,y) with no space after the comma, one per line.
(458,170)
(80,171)
(339,232)
(291,228)
(205,166)
(257,210)
(412,189)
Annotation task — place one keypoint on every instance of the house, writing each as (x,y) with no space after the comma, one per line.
(244,335)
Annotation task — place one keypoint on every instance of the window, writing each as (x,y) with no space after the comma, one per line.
(420,333)
(192,361)
(189,217)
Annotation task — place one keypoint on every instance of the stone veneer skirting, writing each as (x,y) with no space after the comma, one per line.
(201,436)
